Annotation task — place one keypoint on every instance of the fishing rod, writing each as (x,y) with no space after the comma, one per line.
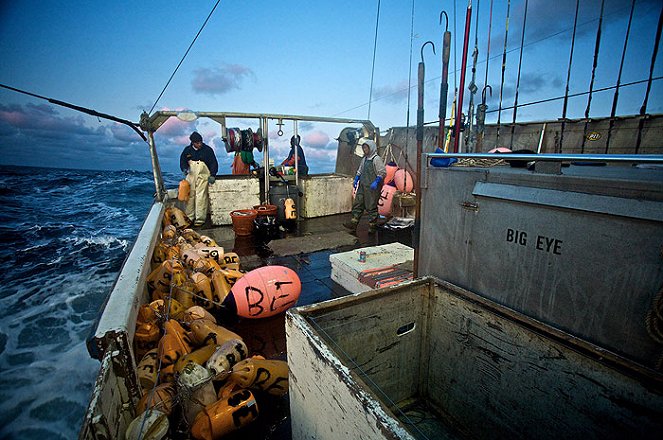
(481,108)
(568,79)
(619,79)
(459,103)
(420,140)
(520,64)
(444,86)
(134,126)
(469,140)
(643,108)
(506,37)
(591,82)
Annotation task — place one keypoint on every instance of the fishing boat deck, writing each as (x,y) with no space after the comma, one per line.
(306,250)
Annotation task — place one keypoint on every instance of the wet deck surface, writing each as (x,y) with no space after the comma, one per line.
(305,248)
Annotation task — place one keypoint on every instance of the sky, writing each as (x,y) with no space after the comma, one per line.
(305,58)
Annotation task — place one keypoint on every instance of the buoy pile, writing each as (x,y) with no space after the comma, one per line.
(197,376)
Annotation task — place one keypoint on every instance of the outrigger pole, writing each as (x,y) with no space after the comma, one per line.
(459,103)
(444,87)
(619,79)
(134,126)
(520,64)
(568,79)
(506,37)
(591,82)
(420,141)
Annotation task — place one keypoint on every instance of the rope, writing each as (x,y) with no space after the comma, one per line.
(591,82)
(183,57)
(568,77)
(375,47)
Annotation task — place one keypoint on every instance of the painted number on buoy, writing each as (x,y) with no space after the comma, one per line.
(257,307)
(541,243)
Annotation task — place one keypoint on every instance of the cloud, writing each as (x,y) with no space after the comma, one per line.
(392,93)
(316,139)
(220,80)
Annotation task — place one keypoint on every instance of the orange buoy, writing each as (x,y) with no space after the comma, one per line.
(225,416)
(403,181)
(204,332)
(391,168)
(267,375)
(183,191)
(500,150)
(386,199)
(266,291)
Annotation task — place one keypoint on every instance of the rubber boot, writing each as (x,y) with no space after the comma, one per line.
(351,225)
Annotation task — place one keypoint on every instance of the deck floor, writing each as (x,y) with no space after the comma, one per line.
(306,250)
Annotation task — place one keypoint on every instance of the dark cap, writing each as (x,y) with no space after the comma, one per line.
(195,137)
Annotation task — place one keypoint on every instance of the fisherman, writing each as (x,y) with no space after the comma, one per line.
(368,183)
(199,165)
(301,159)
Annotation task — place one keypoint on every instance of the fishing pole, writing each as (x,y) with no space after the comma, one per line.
(444,86)
(459,103)
(568,79)
(469,140)
(506,37)
(643,108)
(481,108)
(134,126)
(520,64)
(619,79)
(420,140)
(591,82)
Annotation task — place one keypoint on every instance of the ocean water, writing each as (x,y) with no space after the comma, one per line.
(63,237)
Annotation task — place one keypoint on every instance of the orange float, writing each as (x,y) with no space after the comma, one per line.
(391,168)
(183,191)
(225,416)
(403,181)
(266,291)
(386,199)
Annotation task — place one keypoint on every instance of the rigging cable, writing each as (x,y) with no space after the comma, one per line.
(506,37)
(619,79)
(520,64)
(185,54)
(375,47)
(568,79)
(134,126)
(591,82)
(643,109)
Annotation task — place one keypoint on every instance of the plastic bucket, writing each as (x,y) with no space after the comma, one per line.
(266,209)
(243,221)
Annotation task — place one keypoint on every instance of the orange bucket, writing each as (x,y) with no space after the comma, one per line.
(243,221)
(266,209)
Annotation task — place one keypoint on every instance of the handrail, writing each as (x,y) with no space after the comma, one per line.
(623,158)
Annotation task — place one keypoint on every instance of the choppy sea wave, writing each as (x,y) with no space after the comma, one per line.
(63,237)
